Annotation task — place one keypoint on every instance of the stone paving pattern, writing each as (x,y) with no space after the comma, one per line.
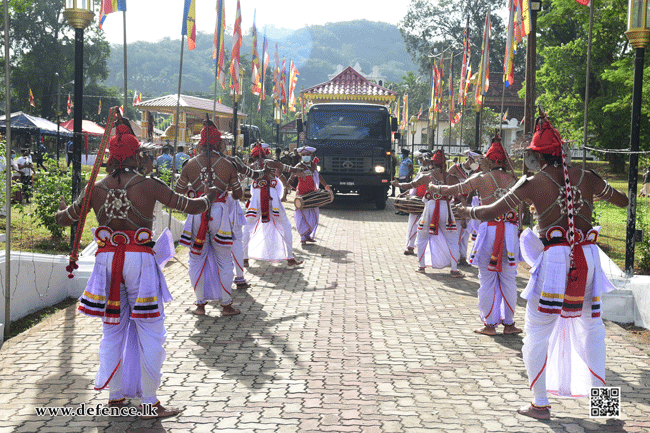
(352,341)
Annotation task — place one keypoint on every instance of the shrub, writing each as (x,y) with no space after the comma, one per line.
(643,247)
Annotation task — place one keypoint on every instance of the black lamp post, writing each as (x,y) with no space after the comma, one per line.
(638,33)
(79,18)
(277,116)
(236,96)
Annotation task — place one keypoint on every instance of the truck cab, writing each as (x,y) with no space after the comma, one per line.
(353,145)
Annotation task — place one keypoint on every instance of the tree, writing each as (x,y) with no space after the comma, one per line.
(563,28)
(43,37)
(429,27)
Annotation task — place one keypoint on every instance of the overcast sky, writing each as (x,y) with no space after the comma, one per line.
(152,20)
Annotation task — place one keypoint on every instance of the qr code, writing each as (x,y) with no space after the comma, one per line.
(605,402)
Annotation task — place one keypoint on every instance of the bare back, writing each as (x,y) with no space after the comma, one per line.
(195,174)
(493,185)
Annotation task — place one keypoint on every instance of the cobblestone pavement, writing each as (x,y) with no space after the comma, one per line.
(352,341)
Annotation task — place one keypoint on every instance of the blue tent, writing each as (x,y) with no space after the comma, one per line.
(21,122)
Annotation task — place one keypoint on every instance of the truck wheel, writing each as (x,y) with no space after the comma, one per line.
(380,199)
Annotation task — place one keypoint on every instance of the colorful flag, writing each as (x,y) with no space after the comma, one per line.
(265,63)
(432,98)
(483,83)
(505,115)
(31,98)
(522,19)
(276,75)
(69,105)
(462,97)
(405,120)
(110,6)
(283,88)
(584,2)
(509,57)
(293,79)
(451,88)
(256,87)
(397,114)
(189,23)
(99,109)
(218,51)
(234,56)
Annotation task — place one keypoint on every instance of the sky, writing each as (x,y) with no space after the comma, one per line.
(152,20)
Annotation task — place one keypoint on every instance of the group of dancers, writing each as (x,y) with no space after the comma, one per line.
(564,349)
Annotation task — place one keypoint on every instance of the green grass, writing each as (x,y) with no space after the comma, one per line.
(24,323)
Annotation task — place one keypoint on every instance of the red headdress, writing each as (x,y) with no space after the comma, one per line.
(209,131)
(546,139)
(496,151)
(123,144)
(438,158)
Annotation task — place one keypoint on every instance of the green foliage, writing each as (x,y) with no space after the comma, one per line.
(643,247)
(48,188)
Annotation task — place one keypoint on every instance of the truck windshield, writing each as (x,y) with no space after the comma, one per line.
(341,125)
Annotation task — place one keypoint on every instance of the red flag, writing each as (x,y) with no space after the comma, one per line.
(69,105)
(584,2)
(31,98)
(462,97)
(234,56)
(283,89)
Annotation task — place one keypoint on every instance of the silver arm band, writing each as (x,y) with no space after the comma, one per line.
(206,200)
(472,213)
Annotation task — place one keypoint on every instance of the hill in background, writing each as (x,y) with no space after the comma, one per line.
(316,51)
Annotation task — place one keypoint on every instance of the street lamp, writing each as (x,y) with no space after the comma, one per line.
(638,33)
(277,116)
(413,128)
(79,14)
(236,96)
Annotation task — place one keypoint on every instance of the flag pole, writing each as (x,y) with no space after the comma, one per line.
(451,93)
(125,75)
(586,120)
(503,96)
(7,323)
(178,103)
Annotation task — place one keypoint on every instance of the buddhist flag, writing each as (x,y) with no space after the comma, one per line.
(451,88)
(397,113)
(462,97)
(505,115)
(432,98)
(256,78)
(265,63)
(283,89)
(135,98)
(522,19)
(218,51)
(31,98)
(293,79)
(189,23)
(99,109)
(69,105)
(276,75)
(234,56)
(110,6)
(405,120)
(509,57)
(483,83)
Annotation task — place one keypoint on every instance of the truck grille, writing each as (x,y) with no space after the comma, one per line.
(345,164)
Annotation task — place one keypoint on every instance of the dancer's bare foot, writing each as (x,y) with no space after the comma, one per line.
(118,403)
(161,412)
(409,252)
(511,329)
(457,274)
(420,270)
(537,412)
(486,330)
(244,285)
(463,262)
(311,239)
(245,263)
(228,310)
(199,310)
(294,262)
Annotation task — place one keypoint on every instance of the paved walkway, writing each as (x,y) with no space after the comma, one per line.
(354,340)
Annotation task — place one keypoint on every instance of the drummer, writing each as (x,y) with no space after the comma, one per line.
(424,158)
(307,219)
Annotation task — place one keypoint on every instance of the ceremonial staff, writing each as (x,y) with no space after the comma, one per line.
(85,203)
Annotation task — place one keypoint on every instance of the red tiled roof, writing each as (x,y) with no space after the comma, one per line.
(350,84)
(167,104)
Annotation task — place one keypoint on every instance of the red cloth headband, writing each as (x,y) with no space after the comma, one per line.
(123,144)
(215,135)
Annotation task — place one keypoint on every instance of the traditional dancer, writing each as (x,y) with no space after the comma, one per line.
(424,157)
(496,249)
(459,173)
(437,238)
(267,234)
(307,219)
(210,236)
(564,348)
(127,288)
